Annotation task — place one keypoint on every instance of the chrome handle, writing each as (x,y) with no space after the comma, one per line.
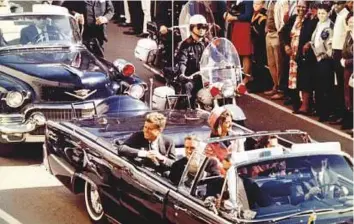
(158,196)
(179,208)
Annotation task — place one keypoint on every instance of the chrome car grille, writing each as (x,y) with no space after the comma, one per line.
(61,115)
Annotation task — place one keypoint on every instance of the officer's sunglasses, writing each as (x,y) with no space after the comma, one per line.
(202,26)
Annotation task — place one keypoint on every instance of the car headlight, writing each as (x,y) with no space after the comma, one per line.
(14,99)
(137,91)
(228,89)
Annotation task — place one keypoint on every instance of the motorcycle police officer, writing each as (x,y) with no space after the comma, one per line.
(189,55)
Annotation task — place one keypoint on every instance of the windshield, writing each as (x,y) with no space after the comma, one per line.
(192,8)
(220,62)
(33,30)
(282,187)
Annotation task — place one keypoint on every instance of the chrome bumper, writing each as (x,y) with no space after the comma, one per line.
(29,125)
(15,128)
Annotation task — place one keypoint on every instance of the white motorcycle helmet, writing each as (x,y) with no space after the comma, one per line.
(197,19)
(204,96)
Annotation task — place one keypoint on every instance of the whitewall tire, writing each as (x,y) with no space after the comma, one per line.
(93,204)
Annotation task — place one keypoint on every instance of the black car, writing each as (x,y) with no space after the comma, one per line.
(46,71)
(83,156)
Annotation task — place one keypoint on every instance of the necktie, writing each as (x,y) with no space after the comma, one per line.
(318,178)
(44,35)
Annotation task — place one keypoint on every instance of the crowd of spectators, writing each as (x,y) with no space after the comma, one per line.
(296,51)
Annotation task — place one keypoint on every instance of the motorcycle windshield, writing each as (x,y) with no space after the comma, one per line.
(192,8)
(220,63)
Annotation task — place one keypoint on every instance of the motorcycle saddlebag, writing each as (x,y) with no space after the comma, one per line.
(145,50)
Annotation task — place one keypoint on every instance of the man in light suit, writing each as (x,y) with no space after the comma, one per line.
(322,184)
(40,31)
(150,145)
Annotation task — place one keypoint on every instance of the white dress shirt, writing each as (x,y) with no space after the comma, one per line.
(280,8)
(320,175)
(340,30)
(42,33)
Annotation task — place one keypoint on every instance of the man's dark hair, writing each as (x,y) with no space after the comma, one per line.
(340,2)
(324,7)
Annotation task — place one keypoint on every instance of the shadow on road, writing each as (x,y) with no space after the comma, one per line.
(42,205)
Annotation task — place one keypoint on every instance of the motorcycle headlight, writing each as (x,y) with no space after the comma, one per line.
(14,99)
(137,91)
(227,89)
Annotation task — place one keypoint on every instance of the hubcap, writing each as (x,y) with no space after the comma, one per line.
(95,200)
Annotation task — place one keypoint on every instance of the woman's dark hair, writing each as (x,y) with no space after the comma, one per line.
(264,141)
(350,14)
(324,7)
(221,119)
(307,4)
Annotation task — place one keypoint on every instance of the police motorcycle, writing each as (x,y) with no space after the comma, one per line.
(220,71)
(157,50)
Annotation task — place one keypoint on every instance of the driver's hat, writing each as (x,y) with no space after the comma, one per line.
(197,19)
(214,115)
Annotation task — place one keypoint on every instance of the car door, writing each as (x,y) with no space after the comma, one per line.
(58,144)
(186,205)
(141,194)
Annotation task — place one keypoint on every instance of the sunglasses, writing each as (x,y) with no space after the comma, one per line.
(202,26)
(192,147)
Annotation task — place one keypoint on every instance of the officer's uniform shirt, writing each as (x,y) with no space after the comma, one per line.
(322,40)
(339,30)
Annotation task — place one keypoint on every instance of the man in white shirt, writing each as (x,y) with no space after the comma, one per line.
(339,34)
(322,184)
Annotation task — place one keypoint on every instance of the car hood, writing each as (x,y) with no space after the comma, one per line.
(58,71)
(78,66)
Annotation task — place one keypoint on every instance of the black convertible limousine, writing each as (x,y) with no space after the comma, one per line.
(83,156)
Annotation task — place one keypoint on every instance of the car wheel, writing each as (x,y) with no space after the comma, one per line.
(93,204)
(6,150)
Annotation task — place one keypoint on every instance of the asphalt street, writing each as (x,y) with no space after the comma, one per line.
(29,195)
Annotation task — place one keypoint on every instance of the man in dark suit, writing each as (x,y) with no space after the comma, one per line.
(94,16)
(190,144)
(323,183)
(40,31)
(150,145)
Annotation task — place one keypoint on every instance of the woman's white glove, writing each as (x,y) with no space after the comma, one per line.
(342,62)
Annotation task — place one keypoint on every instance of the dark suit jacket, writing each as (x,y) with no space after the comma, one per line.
(308,26)
(91,10)
(30,34)
(177,169)
(136,142)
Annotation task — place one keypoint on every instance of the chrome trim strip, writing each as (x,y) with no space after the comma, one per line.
(34,138)
(82,105)
(45,158)
(112,219)
(67,168)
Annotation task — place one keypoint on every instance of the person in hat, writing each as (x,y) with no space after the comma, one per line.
(189,55)
(220,122)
